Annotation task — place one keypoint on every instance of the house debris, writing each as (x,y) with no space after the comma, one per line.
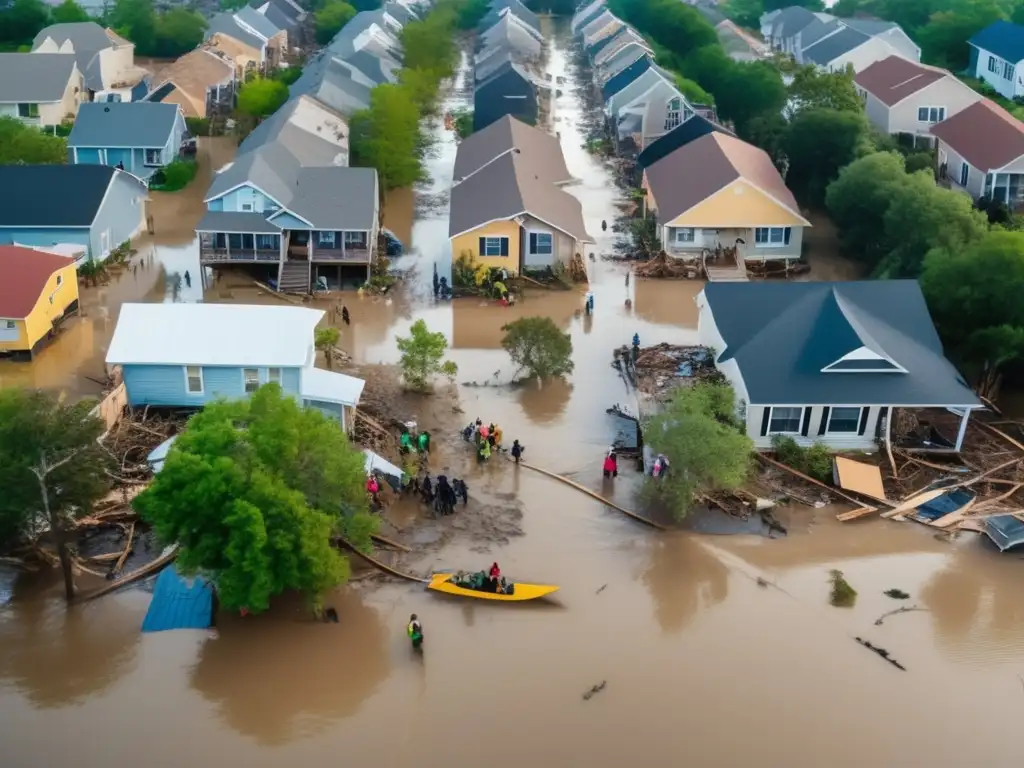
(658,370)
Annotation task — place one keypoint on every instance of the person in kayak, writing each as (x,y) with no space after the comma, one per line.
(495,577)
(415,631)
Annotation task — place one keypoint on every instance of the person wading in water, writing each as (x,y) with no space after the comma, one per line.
(415,632)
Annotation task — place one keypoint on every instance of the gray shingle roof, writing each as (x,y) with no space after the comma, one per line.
(791,20)
(331,83)
(782,335)
(399,12)
(832,47)
(28,194)
(84,35)
(235,222)
(491,65)
(870,27)
(816,30)
(146,124)
(224,24)
(34,77)
(505,134)
(257,21)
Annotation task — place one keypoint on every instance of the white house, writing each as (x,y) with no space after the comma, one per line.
(828,362)
(997,55)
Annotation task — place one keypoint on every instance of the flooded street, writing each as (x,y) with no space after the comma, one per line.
(703,664)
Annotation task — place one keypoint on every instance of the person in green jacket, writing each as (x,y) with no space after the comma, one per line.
(405,443)
(423,442)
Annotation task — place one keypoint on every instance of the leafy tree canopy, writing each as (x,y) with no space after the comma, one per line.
(813,89)
(423,356)
(386,136)
(252,492)
(22,144)
(329,19)
(536,345)
(427,44)
(705,445)
(261,97)
(68,12)
(818,143)
(164,35)
(21,20)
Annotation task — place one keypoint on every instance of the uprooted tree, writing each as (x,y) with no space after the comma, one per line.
(326,339)
(704,442)
(423,356)
(52,469)
(253,492)
(537,346)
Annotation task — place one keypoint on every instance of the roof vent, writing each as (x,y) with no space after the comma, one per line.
(106,109)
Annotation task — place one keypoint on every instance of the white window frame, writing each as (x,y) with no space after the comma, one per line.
(673,113)
(1008,71)
(202,381)
(245,381)
(493,241)
(354,237)
(993,65)
(799,421)
(326,242)
(939,115)
(769,241)
(275,375)
(682,235)
(245,206)
(856,426)
(535,236)
(965,174)
(149,162)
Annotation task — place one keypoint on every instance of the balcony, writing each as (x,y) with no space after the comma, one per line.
(346,254)
(212,255)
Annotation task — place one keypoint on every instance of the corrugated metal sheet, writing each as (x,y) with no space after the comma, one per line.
(179,603)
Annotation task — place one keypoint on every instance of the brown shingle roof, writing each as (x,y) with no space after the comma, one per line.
(985,135)
(23,276)
(894,78)
(508,133)
(696,171)
(197,71)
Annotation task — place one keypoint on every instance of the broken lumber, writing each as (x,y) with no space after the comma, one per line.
(853,514)
(127,548)
(1000,433)
(947,521)
(913,502)
(797,473)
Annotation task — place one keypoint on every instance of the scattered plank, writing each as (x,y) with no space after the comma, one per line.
(797,473)
(913,502)
(947,521)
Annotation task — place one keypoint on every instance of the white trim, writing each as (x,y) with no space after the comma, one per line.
(745,180)
(511,218)
(244,382)
(799,423)
(290,212)
(976,406)
(202,380)
(238,186)
(533,232)
(831,413)
(928,121)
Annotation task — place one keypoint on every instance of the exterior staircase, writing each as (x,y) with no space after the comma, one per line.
(295,276)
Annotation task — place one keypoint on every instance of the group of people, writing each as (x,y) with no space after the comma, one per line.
(442,494)
(486,436)
(441,288)
(408,444)
(484,581)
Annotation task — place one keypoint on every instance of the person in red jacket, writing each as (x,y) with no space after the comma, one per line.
(611,465)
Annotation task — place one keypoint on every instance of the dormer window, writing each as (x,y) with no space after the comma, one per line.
(864,360)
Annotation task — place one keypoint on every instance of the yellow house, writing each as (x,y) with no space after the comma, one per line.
(37,290)
(720,191)
(507,215)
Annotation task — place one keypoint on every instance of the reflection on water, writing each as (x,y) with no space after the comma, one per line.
(544,401)
(684,579)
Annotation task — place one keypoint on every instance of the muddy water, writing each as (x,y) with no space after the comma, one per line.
(700,661)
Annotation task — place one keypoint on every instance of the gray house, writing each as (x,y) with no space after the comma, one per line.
(41,89)
(138,137)
(94,206)
(829,362)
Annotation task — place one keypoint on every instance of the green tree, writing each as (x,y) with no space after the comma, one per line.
(22,144)
(536,345)
(692,91)
(427,44)
(943,39)
(705,445)
(471,13)
(136,21)
(255,507)
(813,89)
(746,13)
(858,201)
(818,143)
(288,75)
(973,294)
(68,12)
(21,20)
(52,469)
(748,89)
(178,31)
(329,20)
(261,97)
(422,87)
(423,356)
(325,339)
(811,5)
(386,136)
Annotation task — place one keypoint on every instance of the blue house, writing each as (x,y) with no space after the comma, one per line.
(93,206)
(138,136)
(187,355)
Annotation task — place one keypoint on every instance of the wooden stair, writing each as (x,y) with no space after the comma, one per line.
(735,273)
(295,276)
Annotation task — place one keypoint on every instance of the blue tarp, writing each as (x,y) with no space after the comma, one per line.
(159,454)
(179,603)
(943,505)
(1005,531)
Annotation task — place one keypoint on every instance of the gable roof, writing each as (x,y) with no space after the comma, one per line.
(84,35)
(263,26)
(872,27)
(27,194)
(621,59)
(24,273)
(1004,39)
(331,83)
(585,19)
(690,130)
(213,334)
(782,335)
(510,186)
(894,79)
(985,135)
(283,14)
(516,8)
(638,87)
(707,165)
(146,124)
(196,72)
(507,69)
(315,134)
(507,134)
(492,64)
(818,29)
(596,24)
(621,79)
(512,32)
(830,48)
(400,12)
(371,66)
(789,21)
(225,24)
(34,77)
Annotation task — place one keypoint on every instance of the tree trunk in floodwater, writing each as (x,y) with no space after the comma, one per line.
(56,526)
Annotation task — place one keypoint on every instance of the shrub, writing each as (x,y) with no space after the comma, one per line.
(198,126)
(174,176)
(815,461)
(843,595)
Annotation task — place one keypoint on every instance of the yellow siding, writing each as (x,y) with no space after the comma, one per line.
(40,321)
(738,205)
(470,243)
(20,344)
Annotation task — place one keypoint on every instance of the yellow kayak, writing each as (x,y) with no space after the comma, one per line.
(441,582)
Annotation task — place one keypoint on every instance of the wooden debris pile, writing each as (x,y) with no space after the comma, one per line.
(660,368)
(664,267)
(578,269)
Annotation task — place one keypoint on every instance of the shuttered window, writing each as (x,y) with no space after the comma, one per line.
(494,246)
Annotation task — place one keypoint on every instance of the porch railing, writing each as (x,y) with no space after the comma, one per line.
(211,255)
(348,254)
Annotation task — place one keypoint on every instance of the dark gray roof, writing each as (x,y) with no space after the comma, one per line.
(791,20)
(371,66)
(84,35)
(782,335)
(832,47)
(816,30)
(870,27)
(399,12)
(240,222)
(492,65)
(146,124)
(225,24)
(34,77)
(257,21)
(52,195)
(330,83)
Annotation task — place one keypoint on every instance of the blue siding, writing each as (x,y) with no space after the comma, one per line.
(330,410)
(85,156)
(164,385)
(246,195)
(287,221)
(121,217)
(44,237)
(215,205)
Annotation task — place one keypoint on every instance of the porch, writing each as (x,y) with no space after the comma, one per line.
(749,244)
(230,238)
(334,247)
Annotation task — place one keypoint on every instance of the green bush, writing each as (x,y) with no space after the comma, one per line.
(815,461)
(288,75)
(843,595)
(464,123)
(174,176)
(198,126)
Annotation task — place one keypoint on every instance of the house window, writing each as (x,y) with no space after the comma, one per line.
(843,421)
(60,280)
(193,379)
(251,379)
(28,110)
(246,206)
(494,246)
(153,157)
(267,242)
(993,65)
(931,114)
(785,421)
(274,375)
(10,325)
(772,237)
(356,239)
(325,239)
(1007,71)
(684,234)
(965,174)
(674,114)
(541,243)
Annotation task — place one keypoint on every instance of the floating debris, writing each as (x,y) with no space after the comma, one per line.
(881,652)
(843,595)
(896,594)
(904,609)
(595,689)
(602,589)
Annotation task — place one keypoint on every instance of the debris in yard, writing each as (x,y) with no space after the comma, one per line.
(843,595)
(762,582)
(602,589)
(659,369)
(881,652)
(904,609)
(896,594)
(858,477)
(664,267)
(595,689)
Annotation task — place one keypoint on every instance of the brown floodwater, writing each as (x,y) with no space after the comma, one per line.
(703,665)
